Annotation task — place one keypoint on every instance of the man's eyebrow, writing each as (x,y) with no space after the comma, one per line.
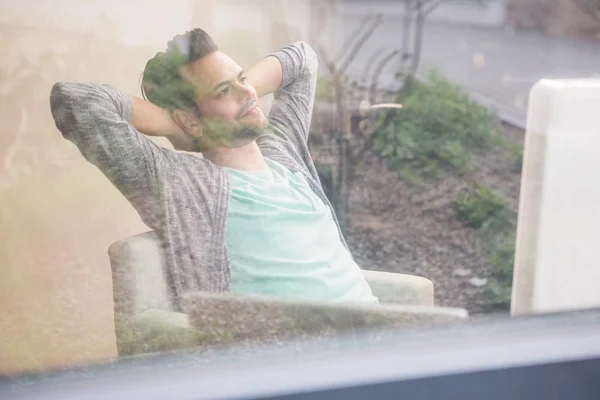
(220,84)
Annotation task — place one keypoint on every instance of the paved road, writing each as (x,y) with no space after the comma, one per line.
(512,61)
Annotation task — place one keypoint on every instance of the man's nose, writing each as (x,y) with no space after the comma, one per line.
(245,91)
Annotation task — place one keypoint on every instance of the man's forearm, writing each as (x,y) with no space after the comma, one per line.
(265,76)
(151,120)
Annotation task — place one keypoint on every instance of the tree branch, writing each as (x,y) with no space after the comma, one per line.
(319,15)
(325,57)
(416,56)
(369,65)
(350,38)
(429,6)
(590,7)
(354,52)
(377,74)
(406,30)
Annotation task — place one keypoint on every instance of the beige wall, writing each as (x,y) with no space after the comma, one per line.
(58,214)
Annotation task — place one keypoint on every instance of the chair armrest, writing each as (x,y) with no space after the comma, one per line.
(221,319)
(391,288)
(171,319)
(153,331)
(228,319)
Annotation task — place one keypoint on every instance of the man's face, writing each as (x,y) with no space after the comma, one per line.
(230,113)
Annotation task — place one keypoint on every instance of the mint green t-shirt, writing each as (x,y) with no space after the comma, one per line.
(282,241)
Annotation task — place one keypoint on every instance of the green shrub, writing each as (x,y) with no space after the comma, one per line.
(500,295)
(482,207)
(439,127)
(516,151)
(486,210)
(502,259)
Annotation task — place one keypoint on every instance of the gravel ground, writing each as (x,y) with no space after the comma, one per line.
(398,227)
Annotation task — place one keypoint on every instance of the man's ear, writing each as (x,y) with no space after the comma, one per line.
(188,122)
(189,139)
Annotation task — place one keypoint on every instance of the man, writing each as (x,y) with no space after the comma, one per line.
(250,216)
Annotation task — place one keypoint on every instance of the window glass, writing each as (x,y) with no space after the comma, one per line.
(236,174)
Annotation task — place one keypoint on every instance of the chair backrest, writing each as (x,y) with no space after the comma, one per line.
(139,281)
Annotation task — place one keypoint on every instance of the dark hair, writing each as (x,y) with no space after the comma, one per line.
(162,83)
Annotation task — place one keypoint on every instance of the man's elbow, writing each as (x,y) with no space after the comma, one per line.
(310,56)
(60,102)
(65,99)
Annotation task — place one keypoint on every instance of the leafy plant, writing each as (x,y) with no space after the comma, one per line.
(502,259)
(500,294)
(440,127)
(482,207)
(488,211)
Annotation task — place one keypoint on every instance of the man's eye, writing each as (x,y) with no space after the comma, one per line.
(243,79)
(223,92)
